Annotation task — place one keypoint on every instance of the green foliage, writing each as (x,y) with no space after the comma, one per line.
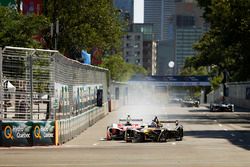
(193,69)
(18,30)
(226,44)
(138,69)
(119,69)
(190,70)
(41,73)
(216,81)
(86,24)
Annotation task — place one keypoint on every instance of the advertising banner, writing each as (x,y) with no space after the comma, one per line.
(27,133)
(61,100)
(16,133)
(43,133)
(78,94)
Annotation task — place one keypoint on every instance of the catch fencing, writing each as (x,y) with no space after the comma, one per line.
(47,98)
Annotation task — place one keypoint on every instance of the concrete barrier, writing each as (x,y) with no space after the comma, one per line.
(50,132)
(238,93)
(67,129)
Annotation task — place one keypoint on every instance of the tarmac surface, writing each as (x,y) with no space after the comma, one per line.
(211,139)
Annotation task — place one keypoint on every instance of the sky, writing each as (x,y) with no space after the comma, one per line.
(138,11)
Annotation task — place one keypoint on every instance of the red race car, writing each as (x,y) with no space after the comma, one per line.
(116,131)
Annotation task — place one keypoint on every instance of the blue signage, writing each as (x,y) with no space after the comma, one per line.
(86,57)
(177,80)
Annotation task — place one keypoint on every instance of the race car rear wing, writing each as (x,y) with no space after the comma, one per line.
(130,120)
(176,122)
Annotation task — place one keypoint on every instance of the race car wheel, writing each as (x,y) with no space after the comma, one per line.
(178,139)
(108,136)
(138,138)
(179,134)
(163,137)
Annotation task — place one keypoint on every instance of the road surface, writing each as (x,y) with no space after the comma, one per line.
(210,140)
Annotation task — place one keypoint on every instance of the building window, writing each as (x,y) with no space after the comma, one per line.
(138,37)
(137,45)
(185,21)
(128,53)
(128,37)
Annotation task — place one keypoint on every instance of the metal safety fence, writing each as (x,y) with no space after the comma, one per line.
(42,84)
(42,88)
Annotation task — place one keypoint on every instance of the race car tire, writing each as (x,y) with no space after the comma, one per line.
(138,138)
(179,135)
(108,137)
(179,139)
(163,137)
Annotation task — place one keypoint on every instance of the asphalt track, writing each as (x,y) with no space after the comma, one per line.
(210,140)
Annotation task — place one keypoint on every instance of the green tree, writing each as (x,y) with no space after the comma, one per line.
(189,68)
(119,69)
(19,30)
(226,44)
(86,24)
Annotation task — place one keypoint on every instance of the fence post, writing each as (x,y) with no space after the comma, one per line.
(31,87)
(1,88)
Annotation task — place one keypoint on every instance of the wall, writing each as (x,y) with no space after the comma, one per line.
(118,95)
(238,94)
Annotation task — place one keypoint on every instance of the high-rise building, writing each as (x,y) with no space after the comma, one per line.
(133,48)
(149,46)
(126,8)
(150,56)
(177,25)
(132,41)
(139,44)
(189,28)
(160,13)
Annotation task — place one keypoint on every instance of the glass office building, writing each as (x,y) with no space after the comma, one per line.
(126,7)
(160,13)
